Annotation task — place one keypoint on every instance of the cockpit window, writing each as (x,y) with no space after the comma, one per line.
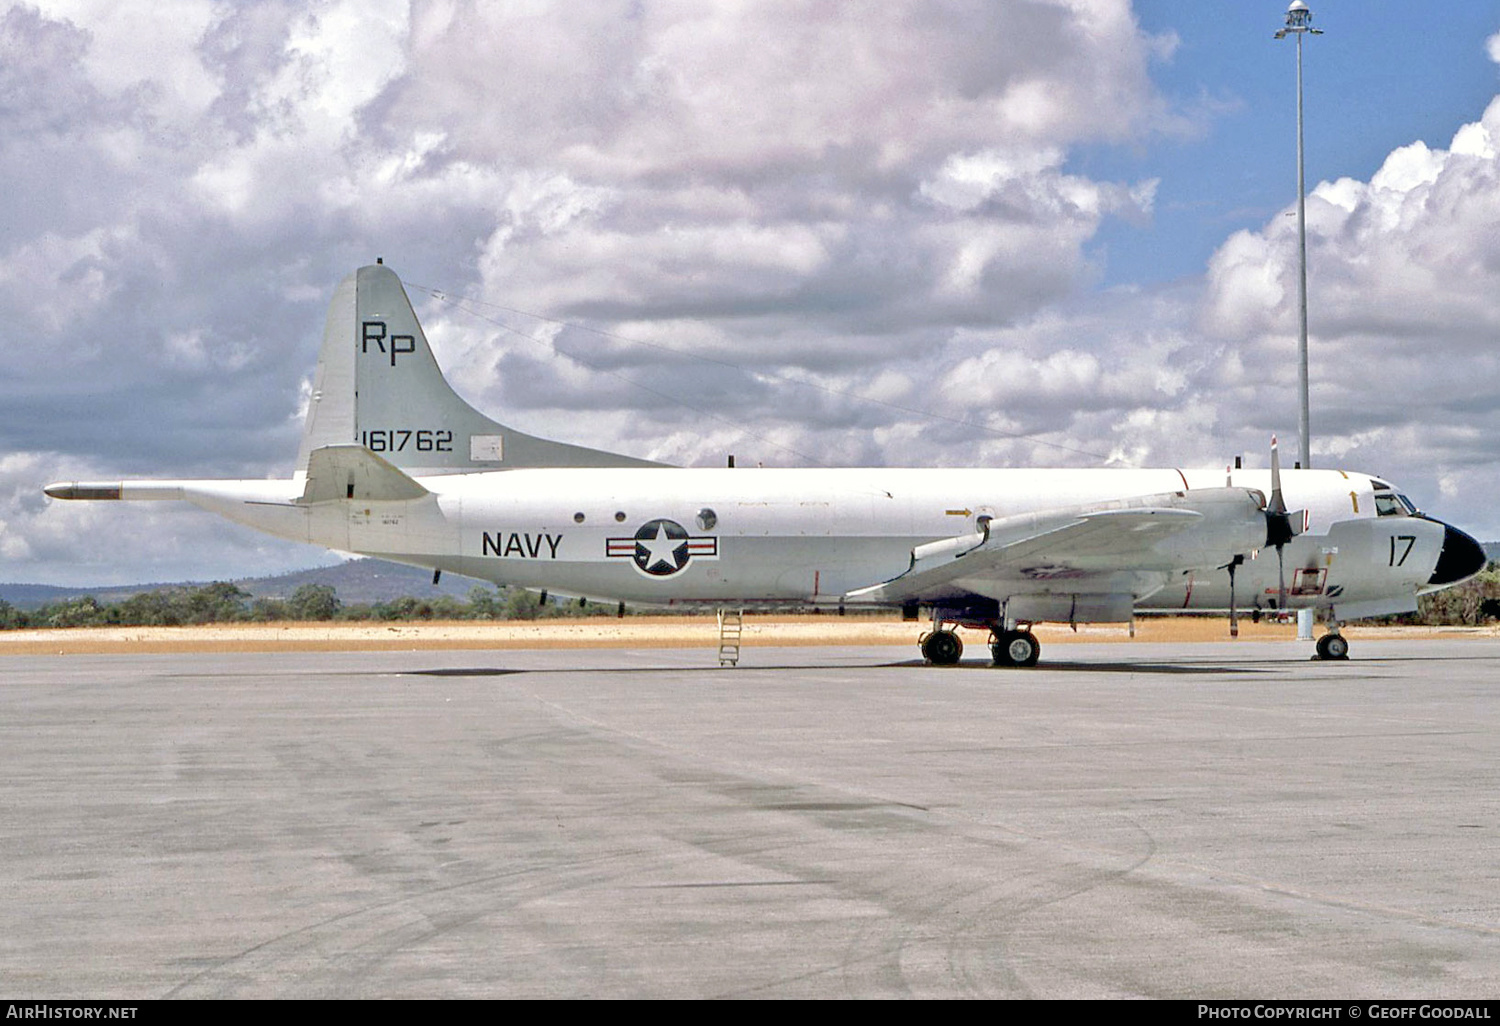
(1388,504)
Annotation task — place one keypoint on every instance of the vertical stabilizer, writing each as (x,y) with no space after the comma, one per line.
(377,385)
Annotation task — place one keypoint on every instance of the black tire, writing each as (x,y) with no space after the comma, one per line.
(1333,647)
(1016,648)
(942,648)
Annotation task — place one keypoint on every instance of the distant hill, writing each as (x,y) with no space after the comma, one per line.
(360,581)
(357,582)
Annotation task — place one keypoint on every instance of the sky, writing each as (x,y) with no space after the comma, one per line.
(928,233)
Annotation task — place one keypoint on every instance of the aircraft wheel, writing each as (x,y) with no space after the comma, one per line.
(1016,648)
(1333,646)
(942,648)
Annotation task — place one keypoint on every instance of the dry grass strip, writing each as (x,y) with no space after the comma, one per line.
(772,630)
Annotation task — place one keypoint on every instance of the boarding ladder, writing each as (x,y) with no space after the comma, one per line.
(731,626)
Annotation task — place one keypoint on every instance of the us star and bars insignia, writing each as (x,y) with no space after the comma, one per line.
(660,548)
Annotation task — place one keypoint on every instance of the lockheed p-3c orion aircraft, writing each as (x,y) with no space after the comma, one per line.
(394,464)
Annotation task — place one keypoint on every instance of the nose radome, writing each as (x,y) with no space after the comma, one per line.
(1462,557)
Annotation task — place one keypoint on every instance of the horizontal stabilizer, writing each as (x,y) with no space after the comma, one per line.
(337,472)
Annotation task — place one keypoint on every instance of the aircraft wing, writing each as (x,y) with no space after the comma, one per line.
(1149,534)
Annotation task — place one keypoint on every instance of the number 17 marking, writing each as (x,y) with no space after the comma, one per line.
(1410,540)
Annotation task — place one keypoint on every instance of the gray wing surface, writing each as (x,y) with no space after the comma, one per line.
(1088,546)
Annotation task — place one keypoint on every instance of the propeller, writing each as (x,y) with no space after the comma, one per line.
(1281,526)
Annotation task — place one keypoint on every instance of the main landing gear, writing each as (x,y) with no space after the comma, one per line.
(1014,648)
(941,646)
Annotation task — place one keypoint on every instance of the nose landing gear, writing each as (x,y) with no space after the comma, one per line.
(1333,646)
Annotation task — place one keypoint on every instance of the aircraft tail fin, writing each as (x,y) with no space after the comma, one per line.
(378,386)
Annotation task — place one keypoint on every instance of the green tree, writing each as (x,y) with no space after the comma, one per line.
(265,610)
(219,602)
(446,607)
(12,618)
(313,602)
(1466,604)
(521,604)
(358,611)
(485,603)
(76,612)
(148,609)
(404,608)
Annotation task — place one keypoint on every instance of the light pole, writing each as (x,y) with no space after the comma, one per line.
(1299,23)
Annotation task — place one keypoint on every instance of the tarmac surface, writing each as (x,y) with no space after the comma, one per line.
(1174,821)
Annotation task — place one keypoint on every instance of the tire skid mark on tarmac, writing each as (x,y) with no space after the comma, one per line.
(888,951)
(910,926)
(1061,884)
(400,922)
(1057,868)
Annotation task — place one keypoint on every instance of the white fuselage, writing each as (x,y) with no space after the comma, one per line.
(669,535)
